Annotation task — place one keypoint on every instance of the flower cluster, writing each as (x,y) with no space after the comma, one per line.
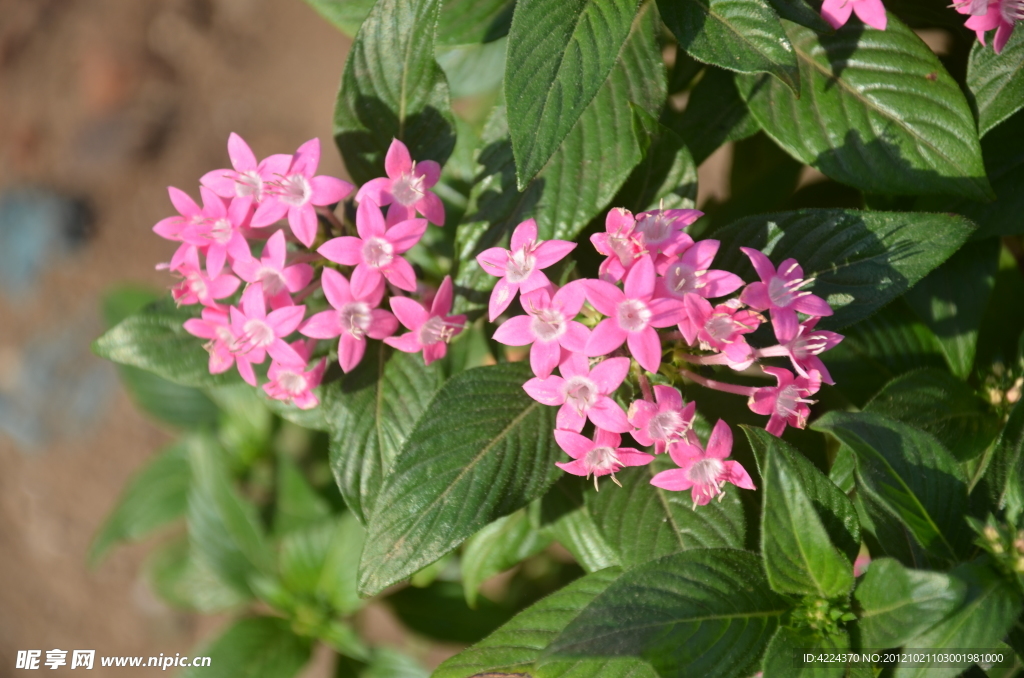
(240,212)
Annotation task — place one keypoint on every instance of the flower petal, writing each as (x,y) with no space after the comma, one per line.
(605,338)
(646,348)
(573,444)
(516,331)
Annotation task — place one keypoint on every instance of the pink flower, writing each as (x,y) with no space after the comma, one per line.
(662,230)
(805,347)
(276,279)
(632,316)
(292,383)
(780,293)
(189,212)
(405,187)
(583,393)
(601,456)
(355,315)
(216,231)
(258,333)
(662,424)
(1001,15)
(196,286)
(837,12)
(720,329)
(519,268)
(215,326)
(248,181)
(620,242)
(377,248)
(297,191)
(705,471)
(691,273)
(431,330)
(548,325)
(786,402)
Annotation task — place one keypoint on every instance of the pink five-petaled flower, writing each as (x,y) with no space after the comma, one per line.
(258,333)
(355,315)
(601,456)
(431,330)
(405,187)
(720,329)
(217,231)
(837,12)
(196,286)
(662,230)
(216,327)
(293,383)
(378,247)
(1001,15)
(779,292)
(270,271)
(804,348)
(248,181)
(548,325)
(583,393)
(664,423)
(704,471)
(620,242)
(786,402)
(632,316)
(691,273)
(519,268)
(297,191)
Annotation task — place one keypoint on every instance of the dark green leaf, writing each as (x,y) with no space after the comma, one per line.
(596,667)
(714,114)
(879,112)
(1005,475)
(474,21)
(787,644)
(257,647)
(440,611)
(500,546)
(384,663)
(482,450)
(188,582)
(886,534)
(996,81)
(842,469)
(298,504)
(666,177)
(577,532)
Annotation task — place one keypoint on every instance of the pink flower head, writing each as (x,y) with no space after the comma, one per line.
(779,292)
(292,383)
(519,268)
(583,393)
(297,191)
(431,330)
(248,181)
(549,326)
(216,231)
(664,422)
(837,12)
(405,187)
(1001,15)
(805,347)
(662,230)
(355,316)
(215,326)
(720,329)
(704,471)
(691,273)
(787,402)
(632,316)
(601,456)
(621,243)
(276,279)
(377,248)
(258,333)
(197,287)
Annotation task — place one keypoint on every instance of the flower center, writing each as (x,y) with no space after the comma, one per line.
(682,279)
(249,183)
(408,189)
(720,327)
(434,330)
(272,280)
(656,228)
(295,190)
(780,292)
(195,284)
(633,315)
(257,333)
(355,318)
(601,459)
(293,383)
(520,265)
(803,346)
(221,230)
(788,400)
(1012,11)
(378,252)
(624,246)
(547,324)
(581,393)
(705,473)
(668,425)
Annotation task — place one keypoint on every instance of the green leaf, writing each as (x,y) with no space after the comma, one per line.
(741,35)
(787,644)
(393,88)
(500,546)
(886,534)
(180,406)
(666,177)
(560,53)
(516,646)
(878,112)
(700,612)
(298,504)
(714,114)
(384,663)
(153,497)
(319,562)
(860,260)
(257,647)
(897,603)
(1005,474)
(936,402)
(996,81)
(188,582)
(577,532)
(439,611)
(474,21)
(596,667)
(642,522)
(372,411)
(911,474)
(345,15)
(338,579)
(482,450)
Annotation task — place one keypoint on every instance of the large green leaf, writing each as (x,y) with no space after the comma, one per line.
(481,450)
(911,474)
(257,647)
(878,112)
(560,53)
(714,114)
(1005,474)
(372,410)
(996,81)
(742,35)
(499,546)
(393,88)
(788,643)
(860,261)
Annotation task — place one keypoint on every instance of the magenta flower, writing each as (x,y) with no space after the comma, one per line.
(215,326)
(601,456)
(355,316)
(632,316)
(519,268)
(248,181)
(805,347)
(548,325)
(786,402)
(431,330)
(197,287)
(720,329)
(293,383)
(837,12)
(704,471)
(276,279)
(405,187)
(217,231)
(780,293)
(620,242)
(691,273)
(583,393)
(377,248)
(662,424)
(662,230)
(1001,15)
(297,191)
(258,333)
